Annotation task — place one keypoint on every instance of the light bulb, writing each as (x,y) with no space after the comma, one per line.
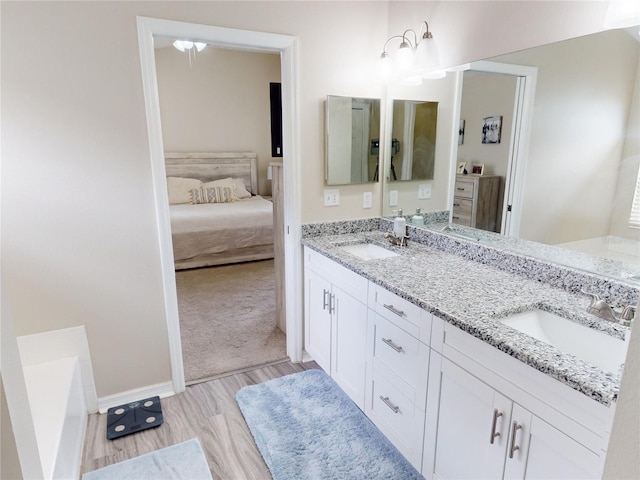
(404,57)
(200,46)
(385,66)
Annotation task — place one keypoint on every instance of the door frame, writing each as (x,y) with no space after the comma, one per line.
(287,47)
(526,80)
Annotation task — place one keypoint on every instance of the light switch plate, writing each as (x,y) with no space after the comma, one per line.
(393,198)
(367,200)
(424,191)
(331,197)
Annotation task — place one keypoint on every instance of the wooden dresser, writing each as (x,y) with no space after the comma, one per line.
(475,201)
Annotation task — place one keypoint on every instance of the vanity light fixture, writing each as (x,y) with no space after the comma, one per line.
(413,60)
(187,45)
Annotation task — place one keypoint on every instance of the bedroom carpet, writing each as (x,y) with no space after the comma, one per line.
(307,428)
(228,320)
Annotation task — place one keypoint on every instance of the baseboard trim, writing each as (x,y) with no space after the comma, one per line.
(161,390)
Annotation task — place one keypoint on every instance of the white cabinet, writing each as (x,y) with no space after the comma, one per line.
(485,425)
(398,336)
(468,445)
(336,322)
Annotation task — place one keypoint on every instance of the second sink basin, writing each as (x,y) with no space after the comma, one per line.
(590,345)
(368,251)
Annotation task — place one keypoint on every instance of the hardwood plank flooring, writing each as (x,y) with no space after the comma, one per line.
(207,411)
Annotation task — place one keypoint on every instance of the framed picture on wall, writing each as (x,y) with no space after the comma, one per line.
(477,168)
(461,133)
(491,129)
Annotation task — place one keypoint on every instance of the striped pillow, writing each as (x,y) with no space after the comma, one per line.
(213,195)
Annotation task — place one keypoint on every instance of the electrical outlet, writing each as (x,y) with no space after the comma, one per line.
(331,197)
(424,191)
(367,200)
(393,198)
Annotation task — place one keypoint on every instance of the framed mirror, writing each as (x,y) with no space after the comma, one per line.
(352,140)
(413,144)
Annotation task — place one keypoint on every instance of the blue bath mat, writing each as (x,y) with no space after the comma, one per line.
(306,427)
(184,461)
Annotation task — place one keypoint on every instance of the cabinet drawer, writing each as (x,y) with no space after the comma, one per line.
(462,211)
(403,356)
(463,189)
(342,277)
(398,418)
(411,318)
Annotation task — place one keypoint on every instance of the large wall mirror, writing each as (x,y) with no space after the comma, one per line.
(413,136)
(583,153)
(352,134)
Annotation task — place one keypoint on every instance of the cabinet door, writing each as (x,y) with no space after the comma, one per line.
(543,452)
(348,350)
(472,427)
(317,336)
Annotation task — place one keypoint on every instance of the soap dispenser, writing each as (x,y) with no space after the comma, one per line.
(400,225)
(417,218)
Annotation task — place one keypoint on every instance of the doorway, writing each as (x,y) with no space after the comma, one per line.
(286,46)
(522,113)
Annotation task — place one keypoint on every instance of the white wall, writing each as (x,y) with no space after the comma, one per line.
(218,102)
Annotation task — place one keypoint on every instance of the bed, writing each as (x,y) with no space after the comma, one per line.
(223,231)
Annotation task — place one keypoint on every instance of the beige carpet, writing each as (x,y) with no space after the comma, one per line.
(227,319)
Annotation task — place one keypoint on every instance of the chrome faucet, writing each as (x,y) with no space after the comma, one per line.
(601,309)
(399,241)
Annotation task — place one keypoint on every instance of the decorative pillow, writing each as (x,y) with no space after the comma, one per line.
(179,189)
(213,195)
(241,190)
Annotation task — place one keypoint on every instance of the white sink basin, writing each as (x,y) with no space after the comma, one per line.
(590,345)
(368,251)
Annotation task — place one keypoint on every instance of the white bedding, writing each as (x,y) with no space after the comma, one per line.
(218,227)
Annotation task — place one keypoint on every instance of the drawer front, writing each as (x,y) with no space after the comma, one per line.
(398,351)
(399,311)
(463,189)
(462,210)
(347,280)
(397,417)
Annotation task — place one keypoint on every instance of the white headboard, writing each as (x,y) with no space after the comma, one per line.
(208,166)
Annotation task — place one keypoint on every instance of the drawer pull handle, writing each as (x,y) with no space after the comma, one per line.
(400,313)
(460,189)
(513,448)
(325,302)
(389,342)
(388,403)
(456,204)
(494,434)
(455,218)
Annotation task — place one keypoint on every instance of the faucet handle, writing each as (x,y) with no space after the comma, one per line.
(628,313)
(594,297)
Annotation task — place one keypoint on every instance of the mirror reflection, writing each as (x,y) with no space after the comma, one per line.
(353,129)
(413,140)
(582,166)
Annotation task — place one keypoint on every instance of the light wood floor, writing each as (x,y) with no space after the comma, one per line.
(207,411)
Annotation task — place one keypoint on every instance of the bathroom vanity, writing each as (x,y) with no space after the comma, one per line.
(417,338)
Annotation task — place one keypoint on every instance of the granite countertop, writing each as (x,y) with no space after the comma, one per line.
(473,297)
